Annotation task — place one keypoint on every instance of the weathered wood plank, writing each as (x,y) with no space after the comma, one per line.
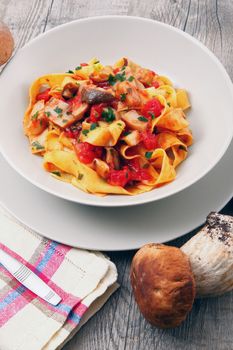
(119,324)
(26,19)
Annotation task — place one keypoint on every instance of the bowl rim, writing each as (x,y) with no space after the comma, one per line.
(125,200)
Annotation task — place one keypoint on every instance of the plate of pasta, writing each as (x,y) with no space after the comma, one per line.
(115,127)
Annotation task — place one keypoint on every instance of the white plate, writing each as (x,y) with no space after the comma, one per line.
(116,228)
(152,44)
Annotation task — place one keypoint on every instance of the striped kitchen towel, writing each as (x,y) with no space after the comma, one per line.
(83,279)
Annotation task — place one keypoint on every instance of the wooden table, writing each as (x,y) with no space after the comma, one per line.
(119,324)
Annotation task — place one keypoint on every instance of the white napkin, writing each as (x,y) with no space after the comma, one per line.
(84,280)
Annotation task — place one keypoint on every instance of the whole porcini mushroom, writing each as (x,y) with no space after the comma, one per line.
(210,254)
(163,284)
(164,279)
(6,43)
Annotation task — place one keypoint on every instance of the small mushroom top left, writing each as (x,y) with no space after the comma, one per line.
(6,43)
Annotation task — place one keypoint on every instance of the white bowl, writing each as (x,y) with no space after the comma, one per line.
(158,46)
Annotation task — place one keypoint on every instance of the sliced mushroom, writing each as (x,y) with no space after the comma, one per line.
(58,113)
(131,93)
(145,76)
(43,88)
(79,111)
(96,95)
(101,168)
(133,120)
(113,158)
(38,121)
(69,91)
(211,256)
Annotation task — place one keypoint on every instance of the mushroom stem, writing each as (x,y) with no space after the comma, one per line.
(210,254)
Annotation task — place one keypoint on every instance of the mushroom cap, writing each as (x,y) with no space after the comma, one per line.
(6,43)
(210,253)
(163,284)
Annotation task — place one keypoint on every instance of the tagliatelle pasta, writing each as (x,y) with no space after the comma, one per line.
(117,129)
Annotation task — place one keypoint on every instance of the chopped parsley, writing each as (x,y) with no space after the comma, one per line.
(131,78)
(93,126)
(108,115)
(142,119)
(152,115)
(169,104)
(85,132)
(37,145)
(78,68)
(123,68)
(65,121)
(80,176)
(97,62)
(48,114)
(70,71)
(118,77)
(148,155)
(57,173)
(59,115)
(35,116)
(123,97)
(126,133)
(58,110)
(111,79)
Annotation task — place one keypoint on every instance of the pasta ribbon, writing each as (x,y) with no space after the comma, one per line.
(105,135)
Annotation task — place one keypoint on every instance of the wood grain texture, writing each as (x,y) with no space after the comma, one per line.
(119,324)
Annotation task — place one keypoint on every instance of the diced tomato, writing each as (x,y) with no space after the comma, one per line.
(143,174)
(114,104)
(136,172)
(146,85)
(130,172)
(73,131)
(74,102)
(149,140)
(50,167)
(134,164)
(152,108)
(116,70)
(119,177)
(76,99)
(96,111)
(57,95)
(86,152)
(103,84)
(83,64)
(37,126)
(155,84)
(44,95)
